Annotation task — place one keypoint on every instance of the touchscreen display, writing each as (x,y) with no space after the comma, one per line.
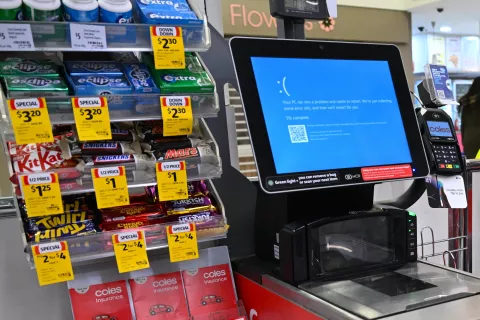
(353,243)
(439,129)
(324,114)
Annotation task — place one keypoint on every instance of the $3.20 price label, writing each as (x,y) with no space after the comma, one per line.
(30,120)
(52,262)
(41,192)
(182,242)
(172,180)
(130,251)
(92,118)
(168,48)
(177,115)
(110,184)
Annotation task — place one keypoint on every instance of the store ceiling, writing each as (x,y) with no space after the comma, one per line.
(463,16)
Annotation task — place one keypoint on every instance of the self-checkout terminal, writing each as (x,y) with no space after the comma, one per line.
(328,121)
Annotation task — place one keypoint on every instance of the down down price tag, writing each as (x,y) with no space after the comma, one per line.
(52,262)
(182,242)
(168,48)
(177,115)
(130,251)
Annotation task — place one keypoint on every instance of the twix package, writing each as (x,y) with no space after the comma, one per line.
(159,296)
(106,301)
(209,290)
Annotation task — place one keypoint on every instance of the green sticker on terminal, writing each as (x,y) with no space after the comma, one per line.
(412,214)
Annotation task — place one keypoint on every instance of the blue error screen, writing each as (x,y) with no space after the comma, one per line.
(324,114)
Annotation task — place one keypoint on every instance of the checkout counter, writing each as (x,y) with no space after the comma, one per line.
(328,121)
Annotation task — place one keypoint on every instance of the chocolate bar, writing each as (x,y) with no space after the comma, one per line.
(74,229)
(190,210)
(202,219)
(52,222)
(197,188)
(175,142)
(111,213)
(136,221)
(142,161)
(192,202)
(123,135)
(196,155)
(106,148)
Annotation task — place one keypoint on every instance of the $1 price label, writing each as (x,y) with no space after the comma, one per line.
(168,48)
(110,184)
(172,180)
(182,242)
(92,118)
(130,251)
(52,262)
(30,120)
(42,195)
(177,115)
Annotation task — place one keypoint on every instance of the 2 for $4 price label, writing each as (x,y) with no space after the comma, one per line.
(30,120)
(52,262)
(130,251)
(92,118)
(182,242)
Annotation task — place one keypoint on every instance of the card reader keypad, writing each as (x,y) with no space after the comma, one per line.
(446,156)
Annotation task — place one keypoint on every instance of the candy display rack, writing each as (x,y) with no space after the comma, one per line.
(55,36)
(90,248)
(98,246)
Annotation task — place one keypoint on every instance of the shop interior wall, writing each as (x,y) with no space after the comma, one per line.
(20,295)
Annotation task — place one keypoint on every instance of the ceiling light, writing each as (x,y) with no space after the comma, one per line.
(445,29)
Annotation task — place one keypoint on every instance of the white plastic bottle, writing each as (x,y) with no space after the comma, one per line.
(115,11)
(11,10)
(42,10)
(80,10)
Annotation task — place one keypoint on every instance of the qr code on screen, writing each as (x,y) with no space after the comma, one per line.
(441,94)
(298,134)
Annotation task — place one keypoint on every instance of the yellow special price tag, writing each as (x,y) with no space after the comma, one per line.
(168,48)
(92,118)
(172,180)
(130,251)
(478,155)
(177,115)
(110,184)
(30,120)
(42,195)
(52,262)
(182,242)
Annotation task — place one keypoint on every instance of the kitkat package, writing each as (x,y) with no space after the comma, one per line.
(106,301)
(159,297)
(209,290)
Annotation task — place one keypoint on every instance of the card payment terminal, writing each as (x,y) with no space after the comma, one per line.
(440,141)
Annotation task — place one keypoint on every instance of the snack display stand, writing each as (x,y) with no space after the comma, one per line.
(91,252)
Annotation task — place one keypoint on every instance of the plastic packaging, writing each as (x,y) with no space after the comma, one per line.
(42,10)
(11,10)
(80,10)
(115,11)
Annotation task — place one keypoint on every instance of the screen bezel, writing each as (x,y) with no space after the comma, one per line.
(242,49)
